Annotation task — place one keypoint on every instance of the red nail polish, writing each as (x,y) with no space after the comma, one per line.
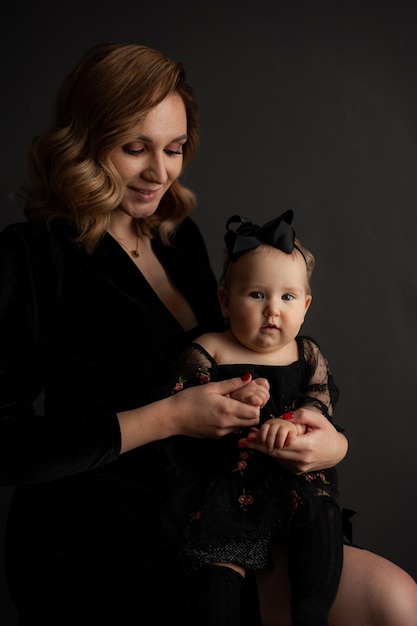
(288,416)
(242,444)
(245,377)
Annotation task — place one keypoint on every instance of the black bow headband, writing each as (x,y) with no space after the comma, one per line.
(277,233)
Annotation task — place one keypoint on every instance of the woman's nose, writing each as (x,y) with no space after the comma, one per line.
(155,170)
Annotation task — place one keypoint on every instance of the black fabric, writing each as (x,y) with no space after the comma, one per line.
(216,595)
(88,333)
(247,236)
(315,565)
(250,611)
(224,503)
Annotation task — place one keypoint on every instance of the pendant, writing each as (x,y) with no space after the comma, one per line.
(135,254)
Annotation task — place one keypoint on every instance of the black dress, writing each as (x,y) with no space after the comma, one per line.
(88,334)
(223,503)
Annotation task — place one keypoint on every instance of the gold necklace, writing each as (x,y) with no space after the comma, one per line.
(135,253)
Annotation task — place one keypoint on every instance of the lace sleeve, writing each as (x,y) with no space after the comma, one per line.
(321,390)
(195,368)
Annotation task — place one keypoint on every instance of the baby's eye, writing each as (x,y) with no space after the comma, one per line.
(288,296)
(256,295)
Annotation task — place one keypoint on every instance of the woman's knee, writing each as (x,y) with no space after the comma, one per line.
(373,592)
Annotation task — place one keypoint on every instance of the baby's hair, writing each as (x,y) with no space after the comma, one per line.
(308,258)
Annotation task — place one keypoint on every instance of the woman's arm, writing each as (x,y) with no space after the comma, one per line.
(36,448)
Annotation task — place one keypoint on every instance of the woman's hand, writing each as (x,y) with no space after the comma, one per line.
(204,411)
(320,447)
(219,408)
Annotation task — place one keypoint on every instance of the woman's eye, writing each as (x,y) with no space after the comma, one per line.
(172,152)
(133,151)
(256,295)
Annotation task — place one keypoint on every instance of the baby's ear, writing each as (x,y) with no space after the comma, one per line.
(223,297)
(308,302)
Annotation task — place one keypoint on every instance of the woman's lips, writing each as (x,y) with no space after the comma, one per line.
(145,195)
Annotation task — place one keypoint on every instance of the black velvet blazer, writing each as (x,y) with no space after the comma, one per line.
(89,333)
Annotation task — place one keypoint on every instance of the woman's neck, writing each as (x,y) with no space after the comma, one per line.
(122,225)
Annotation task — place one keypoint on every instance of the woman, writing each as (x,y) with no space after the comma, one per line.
(100,290)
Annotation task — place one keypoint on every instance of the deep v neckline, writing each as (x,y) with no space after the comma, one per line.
(161,284)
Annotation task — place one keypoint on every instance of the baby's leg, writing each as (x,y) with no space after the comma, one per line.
(216,595)
(315,564)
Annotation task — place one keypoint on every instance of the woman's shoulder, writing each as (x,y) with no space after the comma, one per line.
(23,229)
(188,226)
(16,238)
(33,233)
(32,249)
(188,233)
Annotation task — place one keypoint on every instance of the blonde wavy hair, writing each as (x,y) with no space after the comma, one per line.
(107,94)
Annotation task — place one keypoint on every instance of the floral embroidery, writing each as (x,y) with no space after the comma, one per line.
(179,385)
(316,475)
(242,462)
(203,376)
(245,500)
(295,499)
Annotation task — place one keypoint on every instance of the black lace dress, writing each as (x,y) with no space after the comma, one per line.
(224,503)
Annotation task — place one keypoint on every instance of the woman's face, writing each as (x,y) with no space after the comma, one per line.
(153,159)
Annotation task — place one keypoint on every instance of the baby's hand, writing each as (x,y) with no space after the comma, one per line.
(256,393)
(274,434)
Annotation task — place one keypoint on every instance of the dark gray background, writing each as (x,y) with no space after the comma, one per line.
(303,105)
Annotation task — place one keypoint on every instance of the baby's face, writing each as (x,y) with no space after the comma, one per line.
(266,299)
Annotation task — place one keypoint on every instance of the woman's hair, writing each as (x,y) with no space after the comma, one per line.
(298,248)
(108,93)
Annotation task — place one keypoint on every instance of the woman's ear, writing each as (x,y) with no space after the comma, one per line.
(223,297)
